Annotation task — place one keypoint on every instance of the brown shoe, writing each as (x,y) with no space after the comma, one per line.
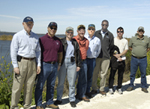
(85,99)
(39,107)
(52,106)
(145,90)
(103,92)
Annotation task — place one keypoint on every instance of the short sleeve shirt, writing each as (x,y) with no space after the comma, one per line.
(50,47)
(122,44)
(139,46)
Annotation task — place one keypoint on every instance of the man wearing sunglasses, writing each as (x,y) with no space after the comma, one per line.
(52,53)
(71,64)
(118,60)
(92,54)
(103,60)
(139,46)
(82,79)
(25,51)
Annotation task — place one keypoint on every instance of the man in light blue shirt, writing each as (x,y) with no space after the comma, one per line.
(25,51)
(92,54)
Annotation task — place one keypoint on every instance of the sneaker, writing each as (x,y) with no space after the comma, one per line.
(111,91)
(52,106)
(57,102)
(39,107)
(120,91)
(145,90)
(73,104)
(129,88)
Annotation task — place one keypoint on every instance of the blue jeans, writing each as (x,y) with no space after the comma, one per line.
(82,80)
(48,72)
(91,63)
(68,68)
(142,63)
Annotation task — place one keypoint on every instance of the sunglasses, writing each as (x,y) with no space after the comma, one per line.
(104,25)
(141,31)
(69,32)
(119,31)
(53,28)
(91,29)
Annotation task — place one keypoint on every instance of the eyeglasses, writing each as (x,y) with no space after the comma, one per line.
(141,31)
(53,28)
(69,32)
(91,29)
(104,25)
(119,31)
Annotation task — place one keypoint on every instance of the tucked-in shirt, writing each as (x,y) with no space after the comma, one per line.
(26,46)
(50,47)
(122,44)
(70,50)
(83,45)
(139,46)
(94,47)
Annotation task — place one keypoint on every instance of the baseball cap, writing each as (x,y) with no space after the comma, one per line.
(52,24)
(28,19)
(141,28)
(69,29)
(91,26)
(80,26)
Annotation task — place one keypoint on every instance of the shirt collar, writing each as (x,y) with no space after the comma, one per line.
(27,33)
(90,37)
(103,32)
(49,36)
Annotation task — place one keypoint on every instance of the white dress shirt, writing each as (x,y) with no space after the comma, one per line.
(94,47)
(25,45)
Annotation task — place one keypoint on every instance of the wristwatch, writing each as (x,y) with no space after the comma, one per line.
(59,64)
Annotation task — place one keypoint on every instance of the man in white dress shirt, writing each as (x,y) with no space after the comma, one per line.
(92,53)
(25,51)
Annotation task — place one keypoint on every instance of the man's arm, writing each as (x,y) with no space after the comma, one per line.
(13,52)
(60,57)
(38,57)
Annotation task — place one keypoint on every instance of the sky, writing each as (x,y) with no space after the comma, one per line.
(129,14)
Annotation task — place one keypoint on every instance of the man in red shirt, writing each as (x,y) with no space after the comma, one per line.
(82,79)
(52,53)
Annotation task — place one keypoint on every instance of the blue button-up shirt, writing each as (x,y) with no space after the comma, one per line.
(94,47)
(26,46)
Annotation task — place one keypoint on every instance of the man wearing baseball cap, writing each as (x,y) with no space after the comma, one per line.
(139,46)
(70,64)
(92,53)
(52,53)
(25,51)
(82,79)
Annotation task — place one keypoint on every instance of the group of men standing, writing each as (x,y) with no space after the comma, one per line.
(82,57)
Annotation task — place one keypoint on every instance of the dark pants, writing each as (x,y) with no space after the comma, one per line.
(120,69)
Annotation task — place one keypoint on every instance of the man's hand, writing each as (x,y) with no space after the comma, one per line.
(117,55)
(120,59)
(58,67)
(38,70)
(78,68)
(16,70)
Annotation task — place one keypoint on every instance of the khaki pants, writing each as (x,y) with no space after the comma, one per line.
(26,78)
(102,65)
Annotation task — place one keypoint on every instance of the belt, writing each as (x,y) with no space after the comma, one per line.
(28,58)
(139,57)
(52,62)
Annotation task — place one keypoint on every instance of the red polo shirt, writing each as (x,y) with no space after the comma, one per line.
(50,47)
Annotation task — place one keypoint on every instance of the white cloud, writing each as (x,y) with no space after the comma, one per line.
(14,17)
